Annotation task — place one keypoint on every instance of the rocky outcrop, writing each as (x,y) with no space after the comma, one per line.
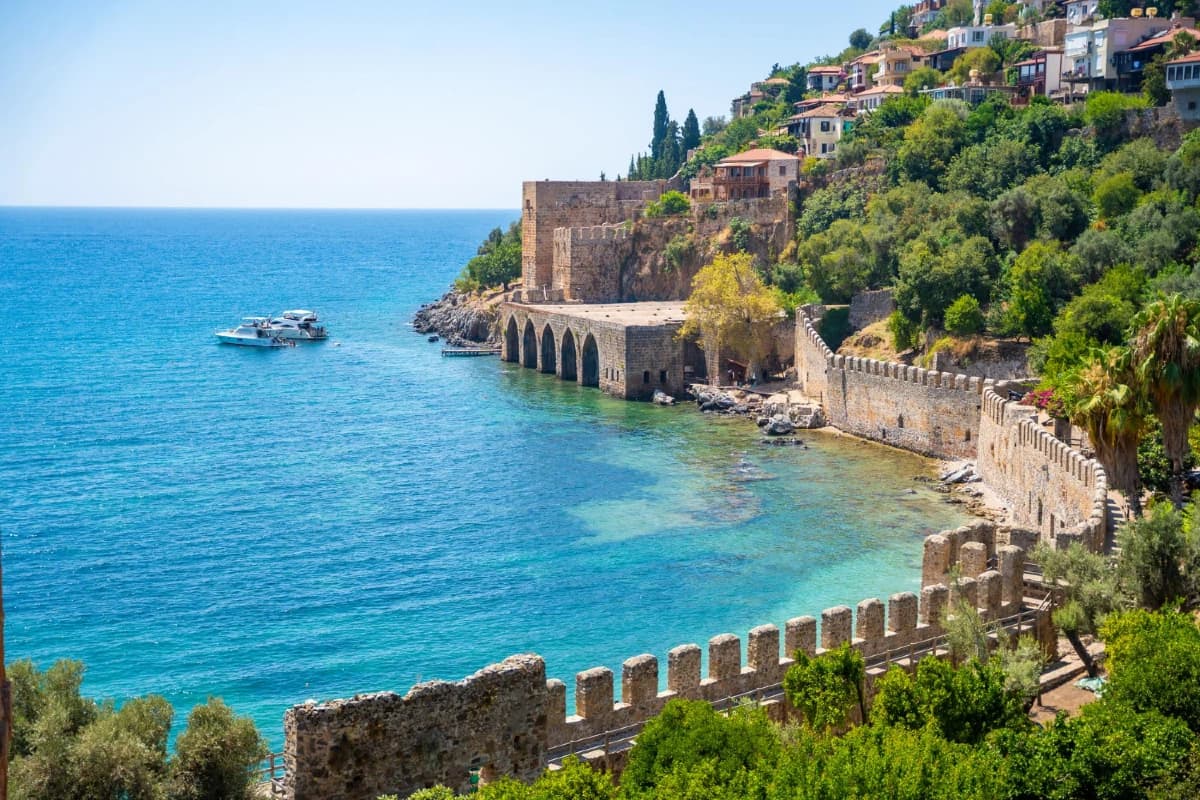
(461,319)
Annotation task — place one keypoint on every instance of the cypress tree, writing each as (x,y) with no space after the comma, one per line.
(691,133)
(661,119)
(632,173)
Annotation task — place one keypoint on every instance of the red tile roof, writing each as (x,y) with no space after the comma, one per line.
(757,155)
(1188,59)
(825,70)
(1164,38)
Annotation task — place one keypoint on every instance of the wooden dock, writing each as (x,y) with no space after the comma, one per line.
(469,352)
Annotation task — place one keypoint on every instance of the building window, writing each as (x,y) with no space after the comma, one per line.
(662,376)
(1191,105)
(977,36)
(782,170)
(646,376)
(825,126)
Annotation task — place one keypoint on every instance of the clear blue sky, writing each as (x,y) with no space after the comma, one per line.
(366,104)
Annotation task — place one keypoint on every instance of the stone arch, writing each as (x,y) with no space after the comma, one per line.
(569,356)
(512,341)
(591,362)
(529,346)
(548,355)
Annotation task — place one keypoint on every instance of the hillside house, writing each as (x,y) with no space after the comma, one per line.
(1090,51)
(926,11)
(871,99)
(1040,74)
(860,70)
(1130,63)
(897,63)
(824,79)
(1080,12)
(759,91)
(821,128)
(965,37)
(1183,80)
(746,176)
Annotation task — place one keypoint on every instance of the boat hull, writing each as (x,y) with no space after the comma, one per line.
(248,341)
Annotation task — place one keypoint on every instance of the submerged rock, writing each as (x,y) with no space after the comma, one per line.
(661,398)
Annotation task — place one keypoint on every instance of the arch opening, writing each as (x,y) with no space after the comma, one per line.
(549,357)
(512,343)
(529,346)
(568,356)
(591,362)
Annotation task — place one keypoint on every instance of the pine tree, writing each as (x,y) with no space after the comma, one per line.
(632,173)
(661,120)
(691,133)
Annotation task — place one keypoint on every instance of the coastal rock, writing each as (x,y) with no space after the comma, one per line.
(661,398)
(461,319)
(779,426)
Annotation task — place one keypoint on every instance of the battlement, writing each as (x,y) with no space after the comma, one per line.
(507,718)
(907,374)
(1050,485)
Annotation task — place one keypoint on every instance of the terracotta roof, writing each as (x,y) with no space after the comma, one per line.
(776,82)
(1164,38)
(882,90)
(825,70)
(1190,58)
(938,34)
(827,110)
(872,57)
(757,155)
(827,97)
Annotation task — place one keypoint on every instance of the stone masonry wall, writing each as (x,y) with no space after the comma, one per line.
(867,308)
(1049,486)
(813,358)
(506,718)
(588,262)
(547,205)
(383,743)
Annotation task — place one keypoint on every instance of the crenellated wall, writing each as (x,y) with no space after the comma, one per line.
(813,357)
(506,719)
(588,262)
(1048,485)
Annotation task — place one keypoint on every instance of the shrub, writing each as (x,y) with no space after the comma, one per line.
(670,204)
(215,755)
(964,317)
(905,333)
(1116,196)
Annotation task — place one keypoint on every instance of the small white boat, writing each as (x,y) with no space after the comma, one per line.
(253,332)
(299,325)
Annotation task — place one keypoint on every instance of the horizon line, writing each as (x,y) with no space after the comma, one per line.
(132,207)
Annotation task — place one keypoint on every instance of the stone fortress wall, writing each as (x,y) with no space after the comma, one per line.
(587,261)
(1049,486)
(509,720)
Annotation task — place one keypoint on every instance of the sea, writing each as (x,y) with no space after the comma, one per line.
(194,519)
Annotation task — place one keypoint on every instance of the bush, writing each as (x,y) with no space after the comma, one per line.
(215,755)
(670,204)
(1116,196)
(964,317)
(905,333)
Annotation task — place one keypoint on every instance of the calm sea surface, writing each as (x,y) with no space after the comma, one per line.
(194,519)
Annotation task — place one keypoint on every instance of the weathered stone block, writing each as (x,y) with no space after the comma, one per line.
(762,650)
(683,669)
(902,612)
(836,624)
(991,593)
(724,657)
(936,560)
(594,693)
(869,620)
(800,633)
(933,604)
(639,680)
(972,558)
(1011,563)
(966,590)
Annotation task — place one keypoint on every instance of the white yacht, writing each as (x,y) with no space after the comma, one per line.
(299,325)
(253,332)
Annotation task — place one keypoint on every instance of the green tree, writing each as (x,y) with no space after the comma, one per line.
(838,263)
(922,78)
(990,168)
(964,317)
(1104,396)
(215,755)
(860,39)
(932,141)
(658,134)
(1091,593)
(1166,354)
(1039,279)
(938,268)
(691,132)
(1160,557)
(688,734)
(824,689)
(1154,663)
(905,333)
(1116,196)
(574,781)
(670,204)
(978,59)
(730,306)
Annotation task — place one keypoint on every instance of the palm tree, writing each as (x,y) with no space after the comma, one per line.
(1105,400)
(1166,354)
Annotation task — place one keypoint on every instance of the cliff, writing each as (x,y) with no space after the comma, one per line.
(462,319)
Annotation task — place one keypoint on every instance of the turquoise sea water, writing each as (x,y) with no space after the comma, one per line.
(271,526)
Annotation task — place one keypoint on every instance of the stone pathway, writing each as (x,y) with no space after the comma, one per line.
(1059,692)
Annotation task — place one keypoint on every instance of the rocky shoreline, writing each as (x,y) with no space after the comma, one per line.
(462,319)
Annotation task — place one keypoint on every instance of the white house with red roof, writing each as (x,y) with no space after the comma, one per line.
(1183,80)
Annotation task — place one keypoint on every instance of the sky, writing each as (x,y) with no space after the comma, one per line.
(358,104)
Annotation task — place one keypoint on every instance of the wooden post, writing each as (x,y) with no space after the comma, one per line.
(5,698)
